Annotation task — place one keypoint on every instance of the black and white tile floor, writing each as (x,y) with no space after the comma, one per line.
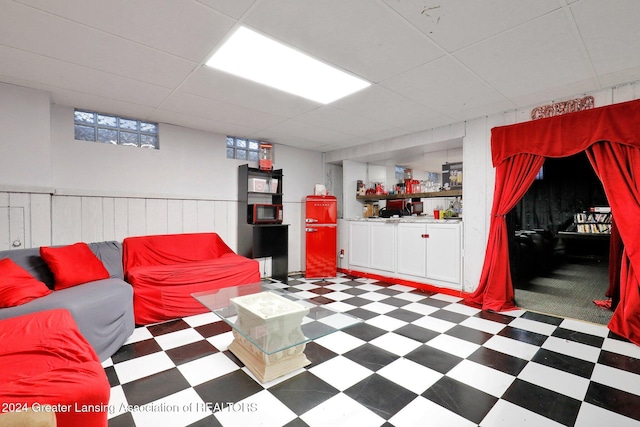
(419,359)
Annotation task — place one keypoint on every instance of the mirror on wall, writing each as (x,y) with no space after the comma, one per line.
(381,167)
(424,161)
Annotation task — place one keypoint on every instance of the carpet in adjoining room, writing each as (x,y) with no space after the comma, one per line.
(568,291)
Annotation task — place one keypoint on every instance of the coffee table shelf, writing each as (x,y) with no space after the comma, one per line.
(271,326)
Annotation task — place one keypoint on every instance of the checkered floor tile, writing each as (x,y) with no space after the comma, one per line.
(417,359)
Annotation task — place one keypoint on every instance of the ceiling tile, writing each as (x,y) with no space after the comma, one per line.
(190,33)
(360,36)
(281,138)
(209,83)
(45,34)
(101,104)
(384,106)
(426,124)
(611,36)
(202,123)
(233,8)
(454,24)
(550,95)
(342,121)
(58,74)
(548,55)
(296,128)
(220,111)
(443,85)
(482,109)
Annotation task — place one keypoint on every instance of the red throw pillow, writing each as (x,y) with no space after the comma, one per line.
(17,286)
(73,265)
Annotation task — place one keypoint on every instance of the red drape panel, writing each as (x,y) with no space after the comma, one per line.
(618,167)
(514,176)
(615,263)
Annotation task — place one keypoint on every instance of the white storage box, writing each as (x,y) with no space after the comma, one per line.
(258,185)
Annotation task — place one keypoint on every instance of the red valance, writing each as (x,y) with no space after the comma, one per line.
(569,134)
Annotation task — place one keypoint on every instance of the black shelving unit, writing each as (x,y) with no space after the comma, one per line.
(588,236)
(262,240)
(593,222)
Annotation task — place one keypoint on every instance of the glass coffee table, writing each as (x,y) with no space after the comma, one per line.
(271,326)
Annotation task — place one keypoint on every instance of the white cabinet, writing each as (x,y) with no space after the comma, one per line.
(412,249)
(430,252)
(359,244)
(372,245)
(383,244)
(425,252)
(444,252)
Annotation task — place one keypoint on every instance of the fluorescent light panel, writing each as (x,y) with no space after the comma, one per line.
(258,58)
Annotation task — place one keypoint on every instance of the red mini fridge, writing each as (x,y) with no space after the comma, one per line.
(321,215)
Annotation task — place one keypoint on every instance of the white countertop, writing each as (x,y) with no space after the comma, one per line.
(404,219)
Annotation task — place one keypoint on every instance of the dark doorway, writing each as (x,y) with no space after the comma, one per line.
(554,272)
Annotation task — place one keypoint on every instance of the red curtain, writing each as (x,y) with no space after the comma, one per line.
(615,262)
(618,167)
(514,176)
(618,164)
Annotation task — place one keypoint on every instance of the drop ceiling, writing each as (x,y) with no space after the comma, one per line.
(430,62)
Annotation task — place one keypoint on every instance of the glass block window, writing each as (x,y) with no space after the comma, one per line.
(242,148)
(110,129)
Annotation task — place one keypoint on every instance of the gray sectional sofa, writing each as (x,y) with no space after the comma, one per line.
(102,309)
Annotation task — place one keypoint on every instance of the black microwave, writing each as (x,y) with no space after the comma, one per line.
(264,214)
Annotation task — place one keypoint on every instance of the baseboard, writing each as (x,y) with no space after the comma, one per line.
(417,285)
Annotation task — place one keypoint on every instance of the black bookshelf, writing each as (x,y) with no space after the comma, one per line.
(262,240)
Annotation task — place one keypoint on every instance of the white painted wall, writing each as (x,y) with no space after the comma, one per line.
(353,171)
(25,148)
(73,191)
(189,164)
(477,196)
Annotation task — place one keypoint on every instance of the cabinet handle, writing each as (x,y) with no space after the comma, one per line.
(425,236)
(311,230)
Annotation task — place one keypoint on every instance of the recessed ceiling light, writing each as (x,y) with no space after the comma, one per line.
(255,57)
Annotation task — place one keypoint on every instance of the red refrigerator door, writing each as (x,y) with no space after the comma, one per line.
(321,251)
(321,239)
(321,210)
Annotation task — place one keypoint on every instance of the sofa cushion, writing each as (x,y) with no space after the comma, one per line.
(46,361)
(110,254)
(17,286)
(73,265)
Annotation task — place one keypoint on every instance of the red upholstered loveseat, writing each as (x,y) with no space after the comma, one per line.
(165,270)
(47,365)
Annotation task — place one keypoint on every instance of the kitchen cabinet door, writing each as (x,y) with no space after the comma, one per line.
(359,244)
(412,249)
(444,252)
(383,242)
